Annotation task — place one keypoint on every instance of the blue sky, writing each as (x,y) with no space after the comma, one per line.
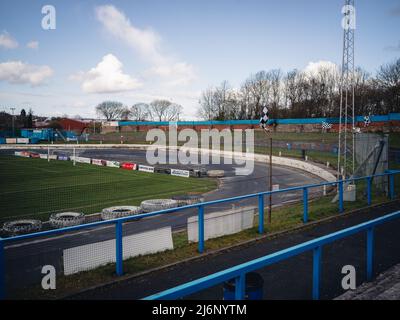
(136,51)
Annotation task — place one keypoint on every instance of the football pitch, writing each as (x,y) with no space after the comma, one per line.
(35,188)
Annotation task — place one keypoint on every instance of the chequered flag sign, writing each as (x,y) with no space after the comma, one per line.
(367,121)
(326,125)
(264,118)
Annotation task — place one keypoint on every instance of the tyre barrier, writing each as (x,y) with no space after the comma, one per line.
(186,200)
(66,219)
(216,173)
(162,170)
(22,226)
(119,212)
(34,155)
(198,173)
(158,204)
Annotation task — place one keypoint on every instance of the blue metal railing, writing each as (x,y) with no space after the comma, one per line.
(200,207)
(239,272)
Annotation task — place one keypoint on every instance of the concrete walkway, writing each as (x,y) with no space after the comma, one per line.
(290,279)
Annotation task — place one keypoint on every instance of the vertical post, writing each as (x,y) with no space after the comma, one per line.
(74,157)
(370,253)
(305,205)
(316,272)
(391,186)
(270,182)
(119,248)
(341,208)
(2,272)
(48,153)
(261,214)
(13,122)
(369,188)
(240,287)
(201,229)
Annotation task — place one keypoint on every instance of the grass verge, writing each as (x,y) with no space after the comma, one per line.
(36,188)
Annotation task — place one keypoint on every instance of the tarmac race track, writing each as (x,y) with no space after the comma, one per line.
(25,259)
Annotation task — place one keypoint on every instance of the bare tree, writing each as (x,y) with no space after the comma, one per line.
(362,87)
(275,92)
(221,100)
(258,87)
(164,110)
(301,94)
(207,108)
(219,103)
(245,101)
(139,111)
(125,113)
(111,110)
(292,92)
(388,80)
(174,112)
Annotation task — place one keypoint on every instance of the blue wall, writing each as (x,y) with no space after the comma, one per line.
(386,118)
(41,134)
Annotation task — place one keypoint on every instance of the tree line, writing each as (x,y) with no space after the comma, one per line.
(302,94)
(22,120)
(157,110)
(294,94)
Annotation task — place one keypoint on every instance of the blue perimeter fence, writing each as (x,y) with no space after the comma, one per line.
(239,272)
(201,243)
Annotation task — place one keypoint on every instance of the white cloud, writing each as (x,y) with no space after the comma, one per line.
(79,104)
(176,74)
(7,41)
(33,45)
(148,44)
(106,77)
(17,72)
(313,68)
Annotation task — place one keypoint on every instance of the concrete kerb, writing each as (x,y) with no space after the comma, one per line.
(282,161)
(211,253)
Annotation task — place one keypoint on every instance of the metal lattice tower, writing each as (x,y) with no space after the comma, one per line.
(346,146)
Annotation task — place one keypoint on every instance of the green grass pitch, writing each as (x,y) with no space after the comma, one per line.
(35,188)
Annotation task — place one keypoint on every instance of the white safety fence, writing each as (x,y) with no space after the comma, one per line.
(221,223)
(216,224)
(91,256)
